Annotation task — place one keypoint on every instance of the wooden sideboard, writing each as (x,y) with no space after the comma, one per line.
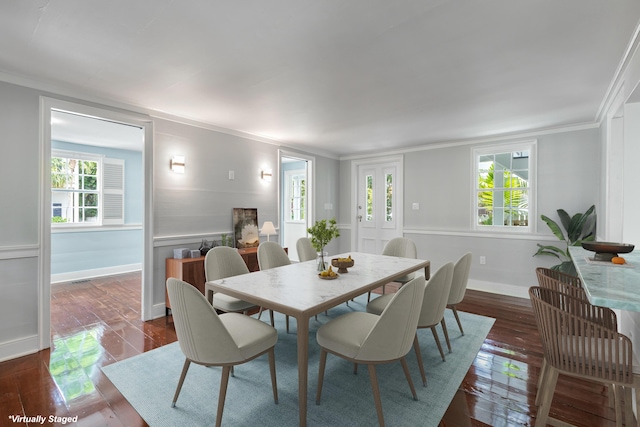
(191,270)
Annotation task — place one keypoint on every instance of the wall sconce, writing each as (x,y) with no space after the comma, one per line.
(268,228)
(177,164)
(266,175)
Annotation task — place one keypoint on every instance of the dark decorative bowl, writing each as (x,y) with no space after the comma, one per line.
(342,265)
(607,250)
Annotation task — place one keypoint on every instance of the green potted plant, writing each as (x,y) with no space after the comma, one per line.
(322,233)
(576,229)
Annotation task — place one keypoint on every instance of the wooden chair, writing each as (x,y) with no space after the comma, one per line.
(562,282)
(572,285)
(575,345)
(209,339)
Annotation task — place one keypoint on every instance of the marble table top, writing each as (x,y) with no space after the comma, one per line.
(608,284)
(296,289)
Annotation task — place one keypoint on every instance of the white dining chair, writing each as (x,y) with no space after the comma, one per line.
(402,247)
(458,288)
(209,339)
(432,309)
(219,263)
(306,251)
(371,339)
(272,255)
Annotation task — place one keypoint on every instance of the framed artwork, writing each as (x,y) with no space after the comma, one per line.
(245,227)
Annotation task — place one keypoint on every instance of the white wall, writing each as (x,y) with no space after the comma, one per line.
(19,227)
(187,208)
(440,180)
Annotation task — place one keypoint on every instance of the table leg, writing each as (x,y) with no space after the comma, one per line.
(303,366)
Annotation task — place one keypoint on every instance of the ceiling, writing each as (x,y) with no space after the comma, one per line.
(341,77)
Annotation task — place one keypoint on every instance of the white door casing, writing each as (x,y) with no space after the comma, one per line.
(378,210)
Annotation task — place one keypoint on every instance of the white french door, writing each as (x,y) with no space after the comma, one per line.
(379,202)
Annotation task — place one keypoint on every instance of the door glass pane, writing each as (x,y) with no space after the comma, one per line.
(369,204)
(388,197)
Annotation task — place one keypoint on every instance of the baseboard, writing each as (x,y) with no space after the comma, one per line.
(158,311)
(499,288)
(97,272)
(18,348)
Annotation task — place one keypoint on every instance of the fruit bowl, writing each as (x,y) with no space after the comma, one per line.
(605,251)
(335,276)
(342,264)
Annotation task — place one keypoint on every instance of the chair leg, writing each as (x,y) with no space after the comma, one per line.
(376,393)
(455,313)
(323,362)
(543,373)
(628,407)
(636,386)
(611,396)
(260,312)
(547,397)
(185,368)
(287,320)
(446,333)
(405,368)
(416,347)
(224,381)
(619,392)
(272,369)
(437,339)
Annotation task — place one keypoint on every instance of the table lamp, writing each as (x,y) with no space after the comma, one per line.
(268,229)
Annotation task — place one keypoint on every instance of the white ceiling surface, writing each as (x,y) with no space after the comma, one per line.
(346,77)
(91,131)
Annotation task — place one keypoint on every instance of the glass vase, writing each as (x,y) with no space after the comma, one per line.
(322,264)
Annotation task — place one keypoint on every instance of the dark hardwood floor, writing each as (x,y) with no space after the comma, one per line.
(97,322)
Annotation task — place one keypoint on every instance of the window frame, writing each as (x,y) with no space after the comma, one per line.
(501,148)
(115,194)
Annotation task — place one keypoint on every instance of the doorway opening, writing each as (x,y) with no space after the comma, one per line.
(96,199)
(296,199)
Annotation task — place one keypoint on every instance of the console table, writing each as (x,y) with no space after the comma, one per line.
(191,270)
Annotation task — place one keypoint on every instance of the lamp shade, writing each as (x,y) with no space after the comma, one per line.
(267,228)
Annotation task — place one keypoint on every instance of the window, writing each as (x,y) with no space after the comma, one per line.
(503,196)
(86,189)
(296,195)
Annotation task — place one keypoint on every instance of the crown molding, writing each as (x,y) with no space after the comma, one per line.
(618,76)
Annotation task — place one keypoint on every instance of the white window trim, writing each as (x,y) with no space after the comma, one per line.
(525,145)
(101,159)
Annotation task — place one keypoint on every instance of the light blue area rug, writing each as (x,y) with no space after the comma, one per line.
(148,382)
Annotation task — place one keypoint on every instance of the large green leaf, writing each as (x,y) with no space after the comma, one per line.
(555,228)
(565,219)
(550,251)
(579,228)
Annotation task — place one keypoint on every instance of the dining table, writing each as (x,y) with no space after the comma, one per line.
(299,291)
